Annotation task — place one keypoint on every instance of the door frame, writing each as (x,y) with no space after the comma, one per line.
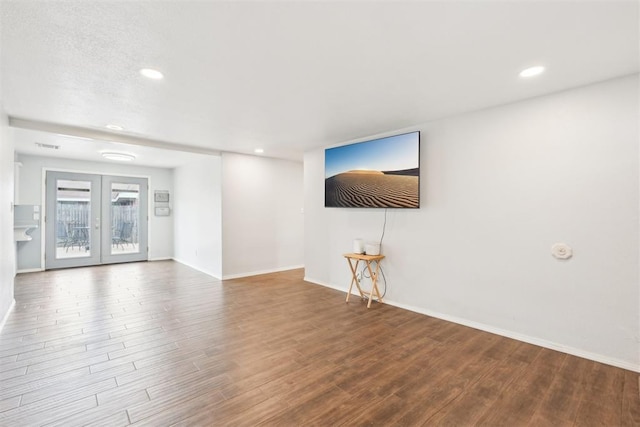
(43,200)
(106,254)
(91,233)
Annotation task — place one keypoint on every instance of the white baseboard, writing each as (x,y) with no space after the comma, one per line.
(326,285)
(256,273)
(505,333)
(30,270)
(36,270)
(196,268)
(237,276)
(522,337)
(6,315)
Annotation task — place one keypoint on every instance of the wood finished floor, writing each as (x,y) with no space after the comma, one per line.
(161,344)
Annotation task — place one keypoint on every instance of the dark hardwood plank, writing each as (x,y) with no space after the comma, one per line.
(17,386)
(10,403)
(230,410)
(602,402)
(561,404)
(55,388)
(159,343)
(630,397)
(12,373)
(11,348)
(115,397)
(158,372)
(469,407)
(172,408)
(50,411)
(521,399)
(307,405)
(97,417)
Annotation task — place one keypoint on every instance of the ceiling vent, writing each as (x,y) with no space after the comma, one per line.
(51,146)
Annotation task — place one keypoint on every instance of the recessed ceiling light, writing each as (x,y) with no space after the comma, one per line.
(150,73)
(114,127)
(122,157)
(532,71)
(258,151)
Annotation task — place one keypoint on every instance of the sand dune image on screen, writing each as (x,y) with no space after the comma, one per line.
(380,173)
(371,189)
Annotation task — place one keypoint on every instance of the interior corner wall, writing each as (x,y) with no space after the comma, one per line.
(7,242)
(262,218)
(197,215)
(160,228)
(498,188)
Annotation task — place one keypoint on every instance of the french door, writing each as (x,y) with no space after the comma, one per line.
(94,219)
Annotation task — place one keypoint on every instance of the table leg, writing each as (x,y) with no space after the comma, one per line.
(374,283)
(354,278)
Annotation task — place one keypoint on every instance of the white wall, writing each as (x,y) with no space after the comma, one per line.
(197,215)
(262,221)
(499,187)
(160,228)
(7,244)
(222,210)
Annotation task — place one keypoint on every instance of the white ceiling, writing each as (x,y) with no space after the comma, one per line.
(27,140)
(293,76)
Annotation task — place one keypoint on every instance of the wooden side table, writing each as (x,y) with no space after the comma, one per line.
(368,260)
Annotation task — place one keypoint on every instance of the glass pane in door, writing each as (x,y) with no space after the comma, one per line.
(125,218)
(73,213)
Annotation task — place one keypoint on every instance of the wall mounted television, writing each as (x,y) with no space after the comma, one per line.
(380,173)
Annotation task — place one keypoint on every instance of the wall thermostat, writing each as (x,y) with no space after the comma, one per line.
(161,196)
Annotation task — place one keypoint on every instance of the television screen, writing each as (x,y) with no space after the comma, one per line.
(381,173)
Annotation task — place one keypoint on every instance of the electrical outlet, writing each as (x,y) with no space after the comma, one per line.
(359,276)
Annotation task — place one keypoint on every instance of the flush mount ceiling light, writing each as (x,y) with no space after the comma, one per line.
(258,151)
(114,127)
(532,71)
(121,157)
(150,73)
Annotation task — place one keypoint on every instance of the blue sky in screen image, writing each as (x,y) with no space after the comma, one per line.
(384,154)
